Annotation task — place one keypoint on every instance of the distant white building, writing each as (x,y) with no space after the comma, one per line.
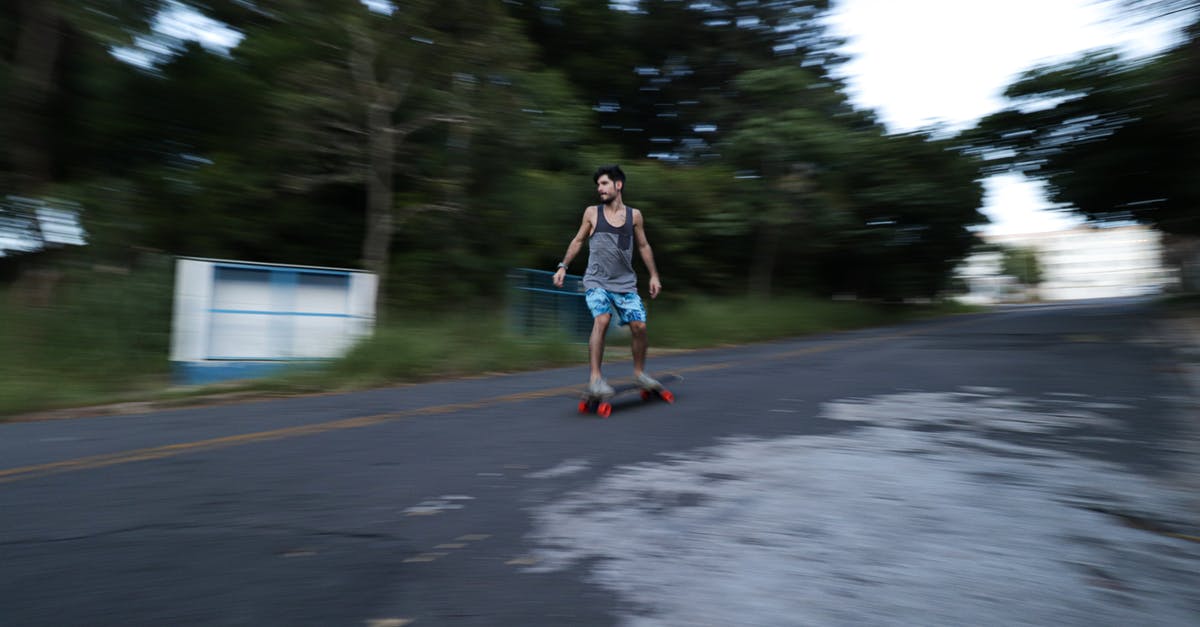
(1083,262)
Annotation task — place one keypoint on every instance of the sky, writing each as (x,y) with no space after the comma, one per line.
(925,62)
(172,27)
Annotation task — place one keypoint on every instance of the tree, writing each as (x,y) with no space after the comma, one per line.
(41,44)
(661,74)
(387,103)
(1114,139)
(790,141)
(1022,264)
(851,208)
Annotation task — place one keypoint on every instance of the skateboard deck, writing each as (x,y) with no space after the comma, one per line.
(603,407)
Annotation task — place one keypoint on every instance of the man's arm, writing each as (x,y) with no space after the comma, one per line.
(585,229)
(643,245)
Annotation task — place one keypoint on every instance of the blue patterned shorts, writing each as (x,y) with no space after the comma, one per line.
(628,306)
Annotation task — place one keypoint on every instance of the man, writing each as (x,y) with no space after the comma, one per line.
(612,229)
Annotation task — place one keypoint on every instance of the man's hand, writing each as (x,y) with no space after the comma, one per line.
(655,287)
(559,276)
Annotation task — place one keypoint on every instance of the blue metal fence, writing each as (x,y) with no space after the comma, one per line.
(537,307)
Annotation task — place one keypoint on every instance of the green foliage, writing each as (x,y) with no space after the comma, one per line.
(658,73)
(1113,139)
(102,338)
(694,219)
(1022,264)
(418,348)
(849,208)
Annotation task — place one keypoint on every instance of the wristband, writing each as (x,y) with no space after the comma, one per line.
(562,266)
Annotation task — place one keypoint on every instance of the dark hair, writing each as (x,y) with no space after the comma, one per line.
(613,171)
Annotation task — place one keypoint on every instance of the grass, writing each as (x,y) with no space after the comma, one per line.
(106,341)
(420,350)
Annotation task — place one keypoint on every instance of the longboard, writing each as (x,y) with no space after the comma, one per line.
(603,407)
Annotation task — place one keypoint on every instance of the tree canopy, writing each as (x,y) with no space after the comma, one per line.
(439,144)
(1113,138)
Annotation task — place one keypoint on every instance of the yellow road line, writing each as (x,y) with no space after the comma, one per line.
(20,473)
(171,450)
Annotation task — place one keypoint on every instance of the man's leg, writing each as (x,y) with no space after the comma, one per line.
(638,344)
(596,344)
(633,312)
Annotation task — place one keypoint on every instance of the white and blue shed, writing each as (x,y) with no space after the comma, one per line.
(237,319)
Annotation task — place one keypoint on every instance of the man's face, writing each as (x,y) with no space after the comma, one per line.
(606,188)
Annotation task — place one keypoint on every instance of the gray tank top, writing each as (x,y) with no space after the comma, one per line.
(610,255)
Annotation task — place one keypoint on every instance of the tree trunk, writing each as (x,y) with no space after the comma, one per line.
(765,252)
(34,61)
(381,219)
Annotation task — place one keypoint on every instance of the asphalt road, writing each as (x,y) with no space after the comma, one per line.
(1032,466)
